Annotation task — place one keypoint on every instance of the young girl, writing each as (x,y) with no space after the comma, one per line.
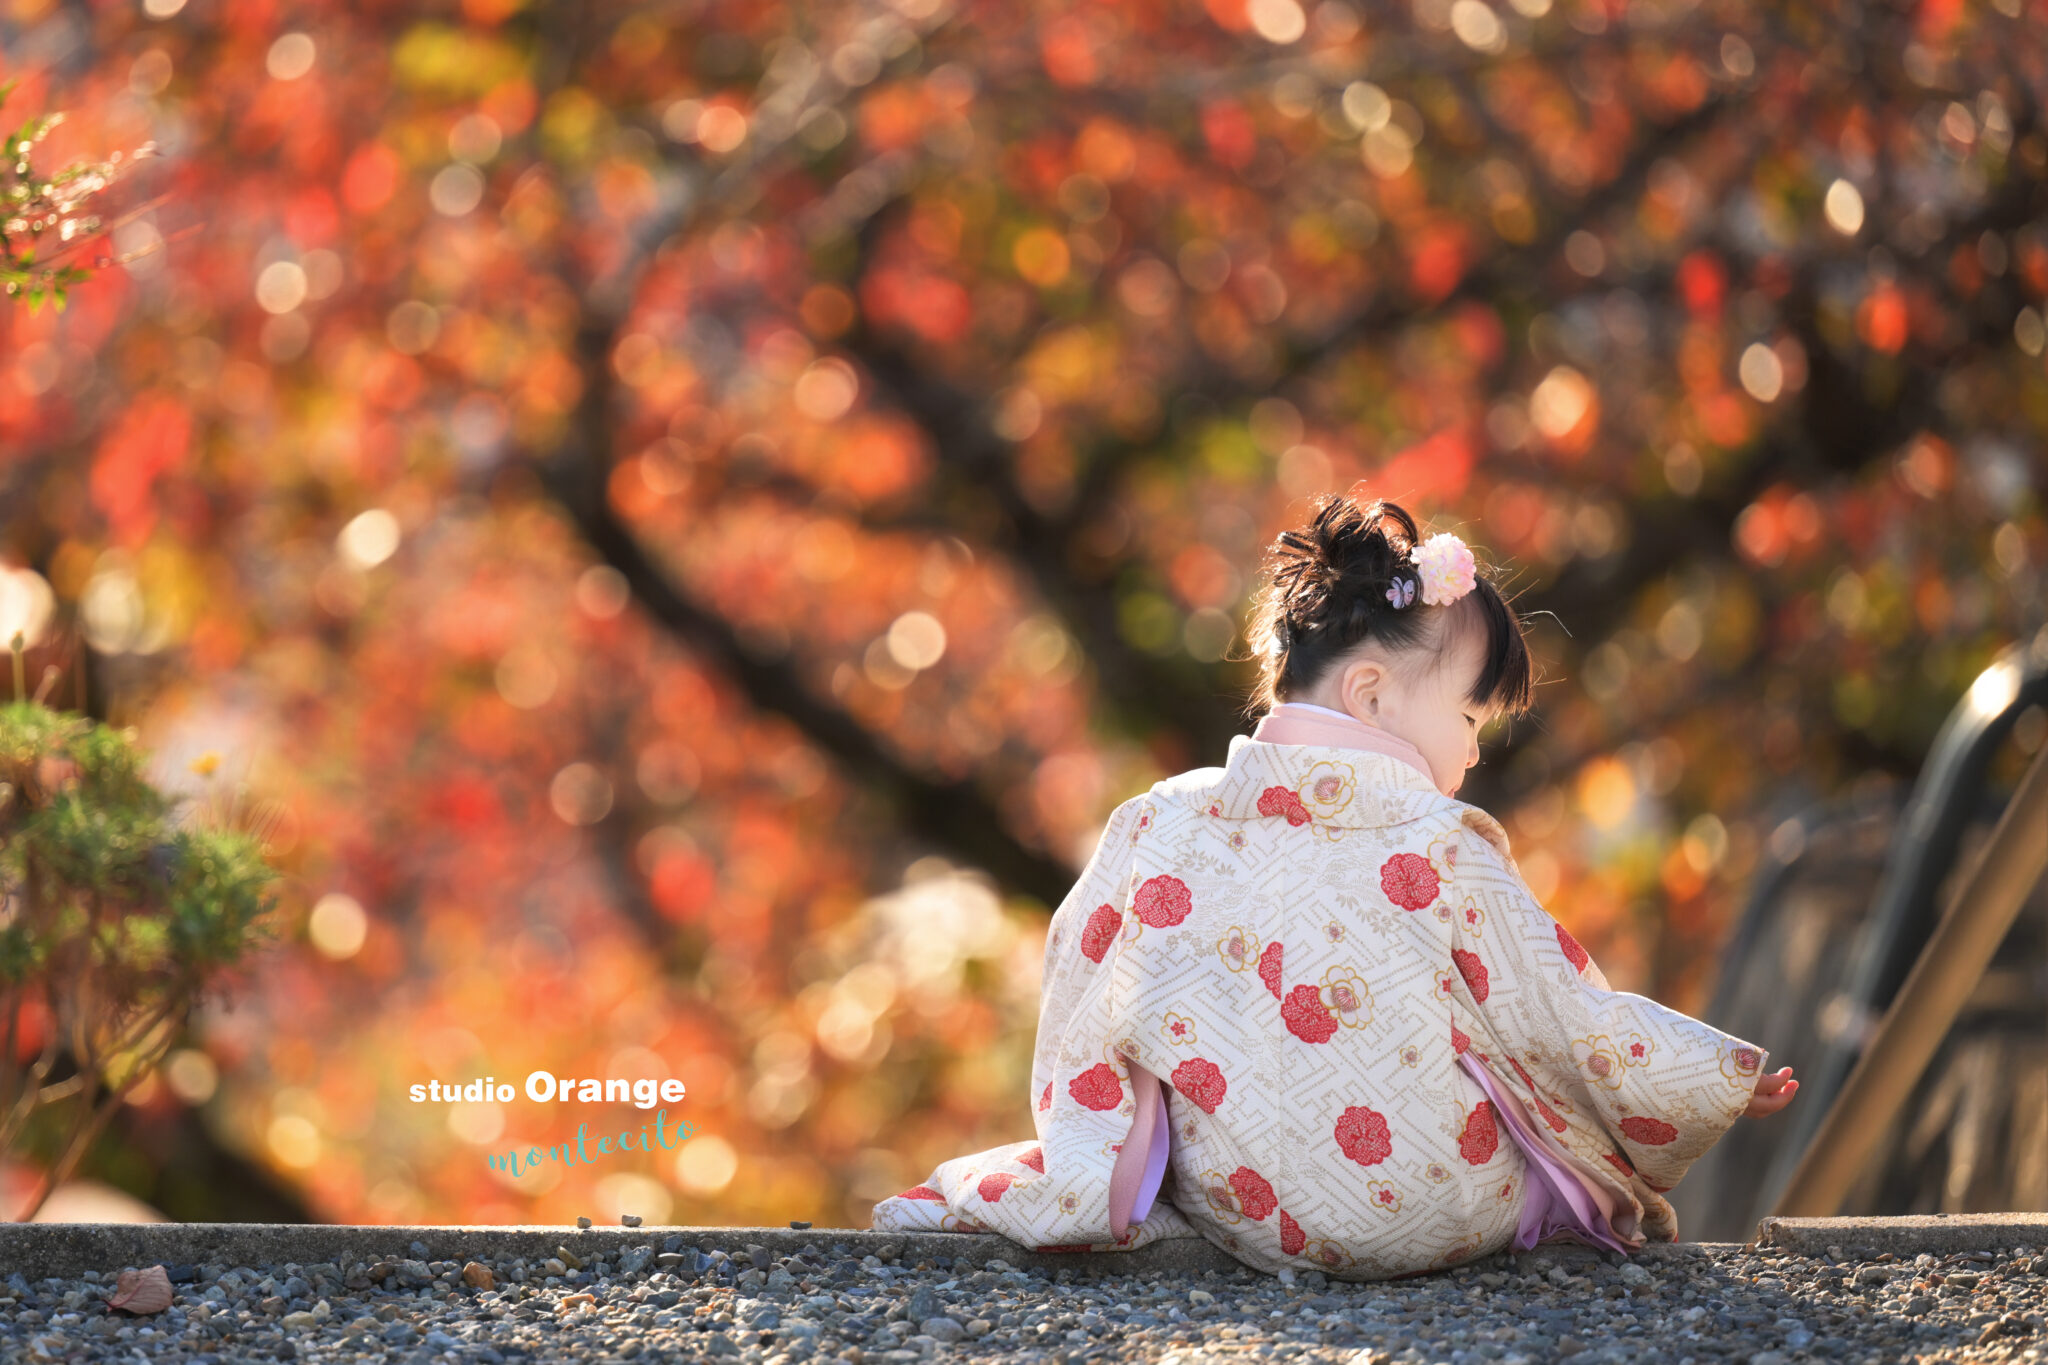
(1303,1005)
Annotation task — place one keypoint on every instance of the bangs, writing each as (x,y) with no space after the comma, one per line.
(1506,683)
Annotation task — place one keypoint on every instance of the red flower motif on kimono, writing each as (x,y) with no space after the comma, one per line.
(1549,1115)
(1460,1040)
(1307,1017)
(1280,801)
(1474,972)
(1572,950)
(1362,1135)
(1409,881)
(1100,932)
(1045,1098)
(992,1187)
(1199,1079)
(922,1192)
(1097,1087)
(1648,1131)
(1620,1163)
(1481,1138)
(1269,968)
(1163,902)
(1291,1238)
(1035,1159)
(1254,1192)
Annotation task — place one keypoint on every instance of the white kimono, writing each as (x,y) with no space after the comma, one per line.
(1300,945)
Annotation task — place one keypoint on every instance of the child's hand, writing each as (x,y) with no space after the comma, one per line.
(1774,1090)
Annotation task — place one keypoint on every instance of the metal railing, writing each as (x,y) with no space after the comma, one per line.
(1837,919)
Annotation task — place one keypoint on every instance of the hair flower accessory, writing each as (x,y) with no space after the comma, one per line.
(1446,567)
(1401,593)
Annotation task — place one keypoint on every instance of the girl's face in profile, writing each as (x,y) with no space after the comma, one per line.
(1430,708)
(1445,723)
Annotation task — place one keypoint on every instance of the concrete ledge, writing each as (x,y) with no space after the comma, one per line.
(37,1250)
(1938,1234)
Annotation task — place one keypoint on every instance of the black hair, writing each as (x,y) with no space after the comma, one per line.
(1327,590)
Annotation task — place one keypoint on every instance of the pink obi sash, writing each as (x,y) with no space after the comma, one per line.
(1132,1185)
(1555,1203)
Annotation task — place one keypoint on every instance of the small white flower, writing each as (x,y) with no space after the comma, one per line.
(1446,567)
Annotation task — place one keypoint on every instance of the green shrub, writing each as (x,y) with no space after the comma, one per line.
(115,920)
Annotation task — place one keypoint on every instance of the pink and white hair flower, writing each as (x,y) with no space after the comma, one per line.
(1446,568)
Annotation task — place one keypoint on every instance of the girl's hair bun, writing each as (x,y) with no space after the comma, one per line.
(1333,574)
(1348,576)
(1330,580)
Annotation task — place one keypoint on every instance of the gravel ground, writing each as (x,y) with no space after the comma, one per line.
(667,1300)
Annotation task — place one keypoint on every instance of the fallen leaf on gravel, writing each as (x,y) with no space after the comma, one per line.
(477,1275)
(142,1291)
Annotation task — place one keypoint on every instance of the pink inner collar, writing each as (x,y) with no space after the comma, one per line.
(1298,722)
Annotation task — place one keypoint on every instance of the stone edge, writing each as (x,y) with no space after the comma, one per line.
(39,1250)
(64,1249)
(1938,1234)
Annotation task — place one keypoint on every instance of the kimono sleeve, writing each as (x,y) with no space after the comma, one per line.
(1074,996)
(1618,1078)
(1055,1192)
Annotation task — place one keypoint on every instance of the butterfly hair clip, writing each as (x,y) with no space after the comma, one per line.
(1401,593)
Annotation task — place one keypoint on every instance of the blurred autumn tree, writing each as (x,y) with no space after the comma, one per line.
(682,500)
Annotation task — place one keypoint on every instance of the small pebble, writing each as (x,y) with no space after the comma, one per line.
(944,1331)
(582,1222)
(631,1220)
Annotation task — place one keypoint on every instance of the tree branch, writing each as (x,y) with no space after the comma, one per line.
(955,813)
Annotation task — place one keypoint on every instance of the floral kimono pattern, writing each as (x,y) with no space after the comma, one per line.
(1301,945)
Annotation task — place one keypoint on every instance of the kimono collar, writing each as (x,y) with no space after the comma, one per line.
(1344,784)
(1300,722)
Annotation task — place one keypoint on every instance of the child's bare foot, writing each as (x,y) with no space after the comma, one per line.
(1774,1090)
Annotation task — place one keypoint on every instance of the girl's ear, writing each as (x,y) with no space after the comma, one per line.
(1361,689)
